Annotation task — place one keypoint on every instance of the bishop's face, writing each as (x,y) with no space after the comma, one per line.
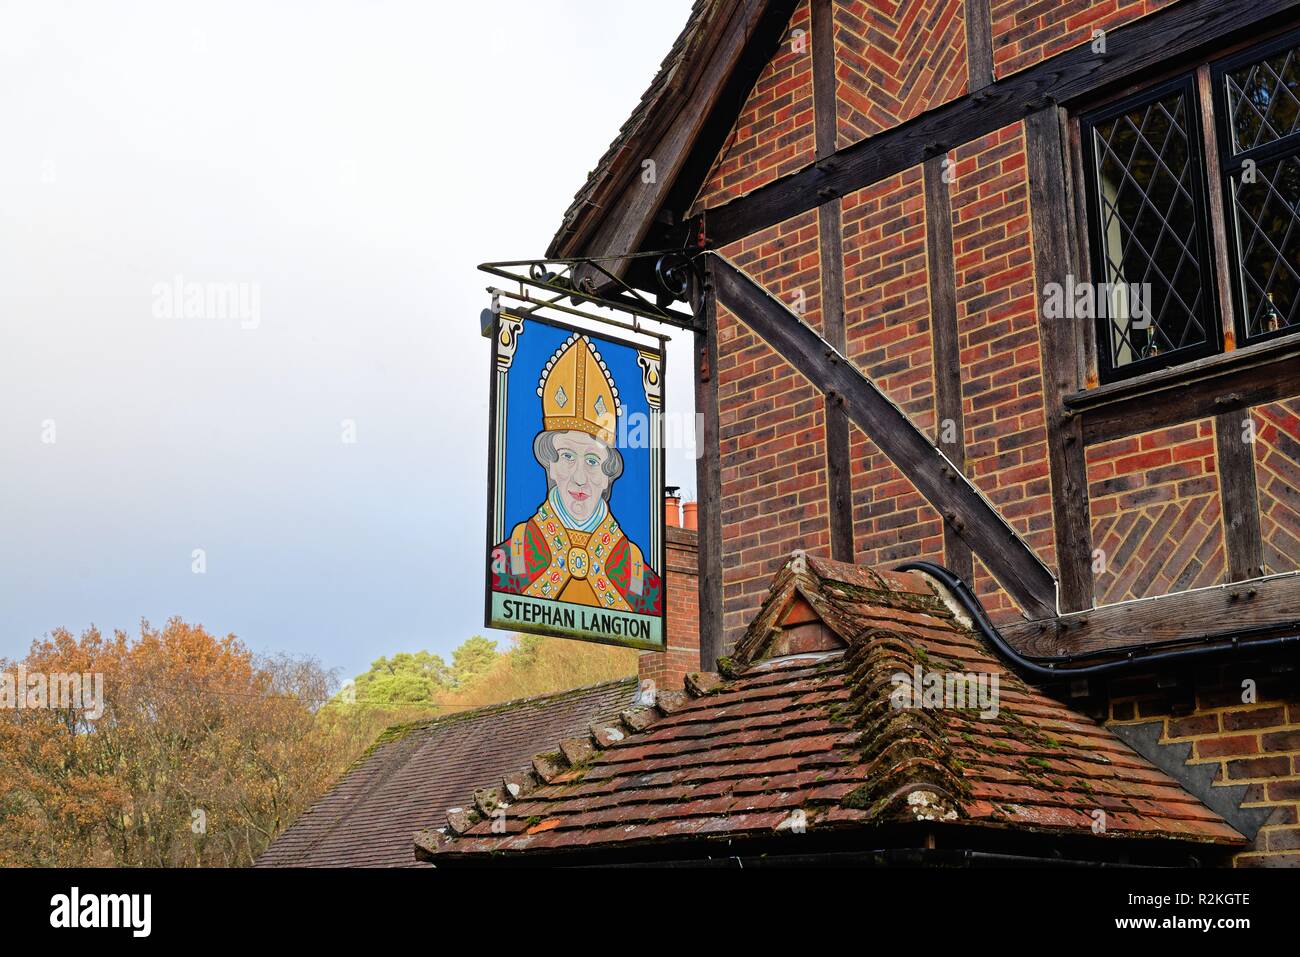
(577,474)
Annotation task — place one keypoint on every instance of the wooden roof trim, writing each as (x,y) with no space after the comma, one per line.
(615,210)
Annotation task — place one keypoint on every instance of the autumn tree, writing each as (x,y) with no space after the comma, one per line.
(202,754)
(537,665)
(205,752)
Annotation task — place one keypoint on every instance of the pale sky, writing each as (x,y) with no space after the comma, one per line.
(351,162)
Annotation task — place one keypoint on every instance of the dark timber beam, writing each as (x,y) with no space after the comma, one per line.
(946,347)
(1049,210)
(1234,437)
(1264,606)
(1227,382)
(979,44)
(709,93)
(708,471)
(1137,49)
(839,479)
(826,122)
(1002,551)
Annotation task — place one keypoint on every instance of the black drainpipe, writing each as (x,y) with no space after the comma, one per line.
(1062,666)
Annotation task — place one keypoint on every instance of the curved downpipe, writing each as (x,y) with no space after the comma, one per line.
(1062,666)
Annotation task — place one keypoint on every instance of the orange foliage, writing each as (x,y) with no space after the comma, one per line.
(202,754)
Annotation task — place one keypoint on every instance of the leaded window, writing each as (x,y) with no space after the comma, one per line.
(1259,107)
(1154,303)
(1176,276)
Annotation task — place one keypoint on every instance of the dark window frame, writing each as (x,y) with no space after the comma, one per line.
(1185,85)
(1231,163)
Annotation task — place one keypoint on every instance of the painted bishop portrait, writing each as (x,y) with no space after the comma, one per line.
(572,549)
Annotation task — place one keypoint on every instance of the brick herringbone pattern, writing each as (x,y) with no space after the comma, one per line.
(895,59)
(1156,513)
(1026,32)
(1277,474)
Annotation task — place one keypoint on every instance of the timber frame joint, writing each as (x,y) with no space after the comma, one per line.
(965,508)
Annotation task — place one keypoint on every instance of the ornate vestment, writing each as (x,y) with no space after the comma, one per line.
(602,568)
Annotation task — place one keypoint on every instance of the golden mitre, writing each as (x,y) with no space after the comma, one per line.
(578,393)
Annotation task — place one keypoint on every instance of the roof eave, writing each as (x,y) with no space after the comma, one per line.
(696,71)
(884,844)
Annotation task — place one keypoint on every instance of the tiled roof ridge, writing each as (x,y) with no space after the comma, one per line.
(567,761)
(803,732)
(397,731)
(906,750)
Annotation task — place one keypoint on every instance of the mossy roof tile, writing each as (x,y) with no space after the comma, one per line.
(817,734)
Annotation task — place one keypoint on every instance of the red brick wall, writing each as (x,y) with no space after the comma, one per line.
(1154,498)
(668,669)
(895,59)
(775,132)
(1026,32)
(1256,744)
(887,318)
(1277,476)
(772,441)
(1156,513)
(997,327)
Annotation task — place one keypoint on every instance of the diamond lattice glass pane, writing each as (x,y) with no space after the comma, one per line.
(1264,100)
(1149,229)
(1268,227)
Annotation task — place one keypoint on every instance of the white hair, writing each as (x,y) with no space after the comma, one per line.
(546,454)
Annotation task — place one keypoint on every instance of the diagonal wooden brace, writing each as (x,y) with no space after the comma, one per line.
(1006,555)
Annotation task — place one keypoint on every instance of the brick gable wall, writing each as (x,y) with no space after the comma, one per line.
(887,318)
(774,133)
(894,60)
(997,327)
(772,441)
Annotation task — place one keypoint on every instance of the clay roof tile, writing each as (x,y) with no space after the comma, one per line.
(782,744)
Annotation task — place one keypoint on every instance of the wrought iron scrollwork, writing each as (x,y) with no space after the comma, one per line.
(674,271)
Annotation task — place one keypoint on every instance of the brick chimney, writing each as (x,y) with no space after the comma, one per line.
(668,669)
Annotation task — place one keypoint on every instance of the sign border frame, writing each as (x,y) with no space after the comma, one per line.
(493,411)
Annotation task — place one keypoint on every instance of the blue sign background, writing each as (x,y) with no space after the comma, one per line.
(526,480)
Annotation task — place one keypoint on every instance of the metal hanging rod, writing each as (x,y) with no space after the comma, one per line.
(576,280)
(537,304)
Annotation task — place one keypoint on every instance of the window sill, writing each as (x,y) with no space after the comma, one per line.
(1204,387)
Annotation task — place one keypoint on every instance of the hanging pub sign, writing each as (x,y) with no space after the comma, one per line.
(576,518)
